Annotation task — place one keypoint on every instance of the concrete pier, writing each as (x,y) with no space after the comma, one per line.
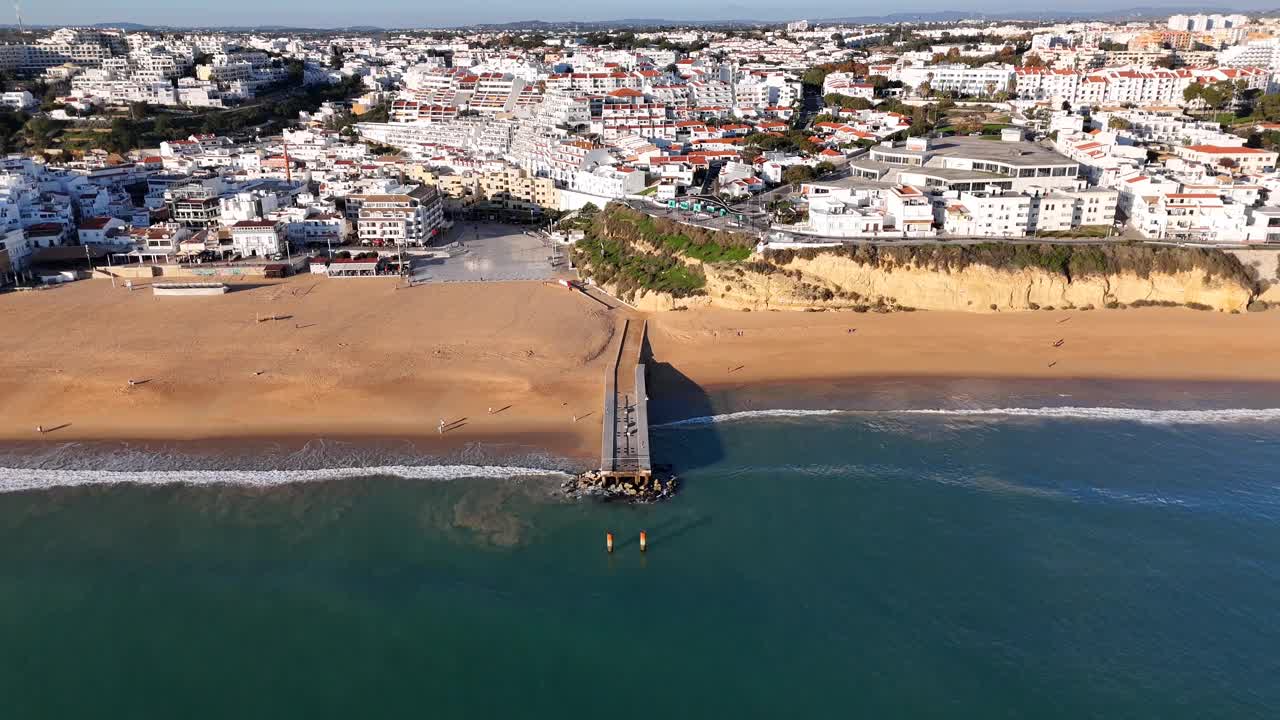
(624,455)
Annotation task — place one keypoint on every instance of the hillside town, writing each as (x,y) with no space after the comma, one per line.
(204,152)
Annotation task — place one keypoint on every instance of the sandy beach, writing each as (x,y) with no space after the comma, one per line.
(512,362)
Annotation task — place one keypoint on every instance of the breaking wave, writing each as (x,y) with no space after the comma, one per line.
(16,479)
(1134,415)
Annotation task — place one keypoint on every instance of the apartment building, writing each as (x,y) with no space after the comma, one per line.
(259,238)
(596,82)
(711,93)
(1202,22)
(195,205)
(513,190)
(1125,85)
(491,93)
(1065,210)
(1244,159)
(845,213)
(627,112)
(983,214)
(1190,216)
(412,111)
(609,182)
(982,81)
(848,84)
(412,217)
(465,135)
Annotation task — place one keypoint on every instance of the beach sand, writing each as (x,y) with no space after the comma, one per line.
(359,358)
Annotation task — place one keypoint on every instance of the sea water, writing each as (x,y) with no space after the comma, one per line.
(1009,562)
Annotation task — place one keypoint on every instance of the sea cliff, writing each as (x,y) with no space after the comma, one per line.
(661,265)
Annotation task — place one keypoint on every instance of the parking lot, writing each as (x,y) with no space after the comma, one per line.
(493,252)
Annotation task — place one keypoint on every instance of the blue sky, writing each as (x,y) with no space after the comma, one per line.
(403,13)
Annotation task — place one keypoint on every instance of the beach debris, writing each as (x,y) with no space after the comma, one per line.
(40,429)
(1055,362)
(1059,342)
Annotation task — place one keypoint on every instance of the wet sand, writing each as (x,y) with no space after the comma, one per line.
(360,359)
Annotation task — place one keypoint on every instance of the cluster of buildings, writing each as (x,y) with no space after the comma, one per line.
(957,186)
(520,127)
(208,201)
(114,67)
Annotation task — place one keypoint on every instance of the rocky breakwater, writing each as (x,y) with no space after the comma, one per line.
(637,489)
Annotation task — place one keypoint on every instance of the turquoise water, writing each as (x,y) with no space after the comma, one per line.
(852,565)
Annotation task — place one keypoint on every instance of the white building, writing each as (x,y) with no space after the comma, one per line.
(610,182)
(412,217)
(258,238)
(1205,23)
(982,81)
(981,214)
(17,100)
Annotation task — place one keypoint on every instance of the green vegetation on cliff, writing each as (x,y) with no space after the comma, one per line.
(634,251)
(1070,261)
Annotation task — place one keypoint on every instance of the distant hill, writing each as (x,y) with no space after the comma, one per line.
(119,26)
(942,16)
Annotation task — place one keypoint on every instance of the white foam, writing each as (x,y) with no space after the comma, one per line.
(15,479)
(1136,415)
(749,415)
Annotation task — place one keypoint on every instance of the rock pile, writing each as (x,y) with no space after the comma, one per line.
(631,489)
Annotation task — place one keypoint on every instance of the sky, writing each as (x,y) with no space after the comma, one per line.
(439,13)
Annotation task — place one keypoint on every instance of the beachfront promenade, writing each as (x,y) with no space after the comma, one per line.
(624,452)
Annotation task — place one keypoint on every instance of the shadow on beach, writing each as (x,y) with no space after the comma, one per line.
(674,396)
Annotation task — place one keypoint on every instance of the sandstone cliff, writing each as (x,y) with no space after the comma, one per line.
(975,278)
(834,281)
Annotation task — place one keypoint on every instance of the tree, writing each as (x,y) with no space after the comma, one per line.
(797,174)
(39,131)
(846,101)
(123,136)
(1066,105)
(925,89)
(1118,123)
(1267,107)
